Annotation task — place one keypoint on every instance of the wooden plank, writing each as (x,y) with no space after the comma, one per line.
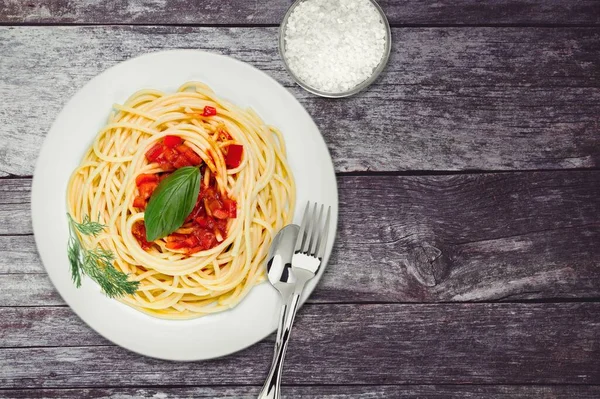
(19,254)
(477,237)
(357,344)
(212,12)
(45,326)
(324,392)
(15,199)
(28,290)
(15,209)
(14,192)
(450,98)
(419,239)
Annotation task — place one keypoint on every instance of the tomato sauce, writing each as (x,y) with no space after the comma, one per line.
(206,226)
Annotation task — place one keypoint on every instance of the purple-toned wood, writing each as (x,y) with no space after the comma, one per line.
(471,85)
(480,237)
(331,345)
(253,12)
(450,98)
(318,391)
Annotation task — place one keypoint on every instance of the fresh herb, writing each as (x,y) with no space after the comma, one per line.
(95,263)
(172,201)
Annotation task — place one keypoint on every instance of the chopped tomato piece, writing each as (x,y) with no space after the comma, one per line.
(220,214)
(146,189)
(207,192)
(176,245)
(234,155)
(214,205)
(193,157)
(166,165)
(197,211)
(181,161)
(230,207)
(209,111)
(173,141)
(216,209)
(170,155)
(139,232)
(138,229)
(191,242)
(139,202)
(207,238)
(145,178)
(222,226)
(181,149)
(205,222)
(153,153)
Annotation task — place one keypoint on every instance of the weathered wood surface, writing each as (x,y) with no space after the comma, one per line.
(450,98)
(321,392)
(481,237)
(517,88)
(450,12)
(331,345)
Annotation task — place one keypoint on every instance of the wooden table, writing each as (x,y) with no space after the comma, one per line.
(467,262)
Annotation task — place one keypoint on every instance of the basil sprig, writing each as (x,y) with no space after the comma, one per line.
(172,201)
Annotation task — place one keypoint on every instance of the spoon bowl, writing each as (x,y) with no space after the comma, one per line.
(280,257)
(279,269)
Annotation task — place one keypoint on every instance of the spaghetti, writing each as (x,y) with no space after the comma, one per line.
(254,193)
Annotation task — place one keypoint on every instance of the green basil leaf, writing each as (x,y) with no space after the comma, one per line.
(172,201)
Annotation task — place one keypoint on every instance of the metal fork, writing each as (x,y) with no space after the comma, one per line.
(308,255)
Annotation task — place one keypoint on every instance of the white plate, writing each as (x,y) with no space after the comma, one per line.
(72,133)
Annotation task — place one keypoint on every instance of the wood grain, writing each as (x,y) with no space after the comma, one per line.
(15,198)
(356,344)
(471,86)
(562,12)
(19,255)
(481,237)
(322,392)
(450,99)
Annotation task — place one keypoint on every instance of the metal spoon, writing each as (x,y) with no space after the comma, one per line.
(279,270)
(279,267)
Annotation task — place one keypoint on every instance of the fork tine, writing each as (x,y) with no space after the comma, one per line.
(316,234)
(309,230)
(301,234)
(323,236)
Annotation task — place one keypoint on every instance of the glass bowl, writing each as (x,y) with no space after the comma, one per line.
(362,85)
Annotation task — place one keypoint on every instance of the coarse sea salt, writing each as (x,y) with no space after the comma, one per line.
(334,45)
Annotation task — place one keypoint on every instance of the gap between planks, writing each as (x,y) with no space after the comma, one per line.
(413,173)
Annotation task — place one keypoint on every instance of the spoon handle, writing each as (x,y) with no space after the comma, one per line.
(272,387)
(285,297)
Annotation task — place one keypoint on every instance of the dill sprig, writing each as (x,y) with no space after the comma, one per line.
(95,263)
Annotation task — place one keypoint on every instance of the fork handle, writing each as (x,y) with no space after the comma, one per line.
(272,387)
